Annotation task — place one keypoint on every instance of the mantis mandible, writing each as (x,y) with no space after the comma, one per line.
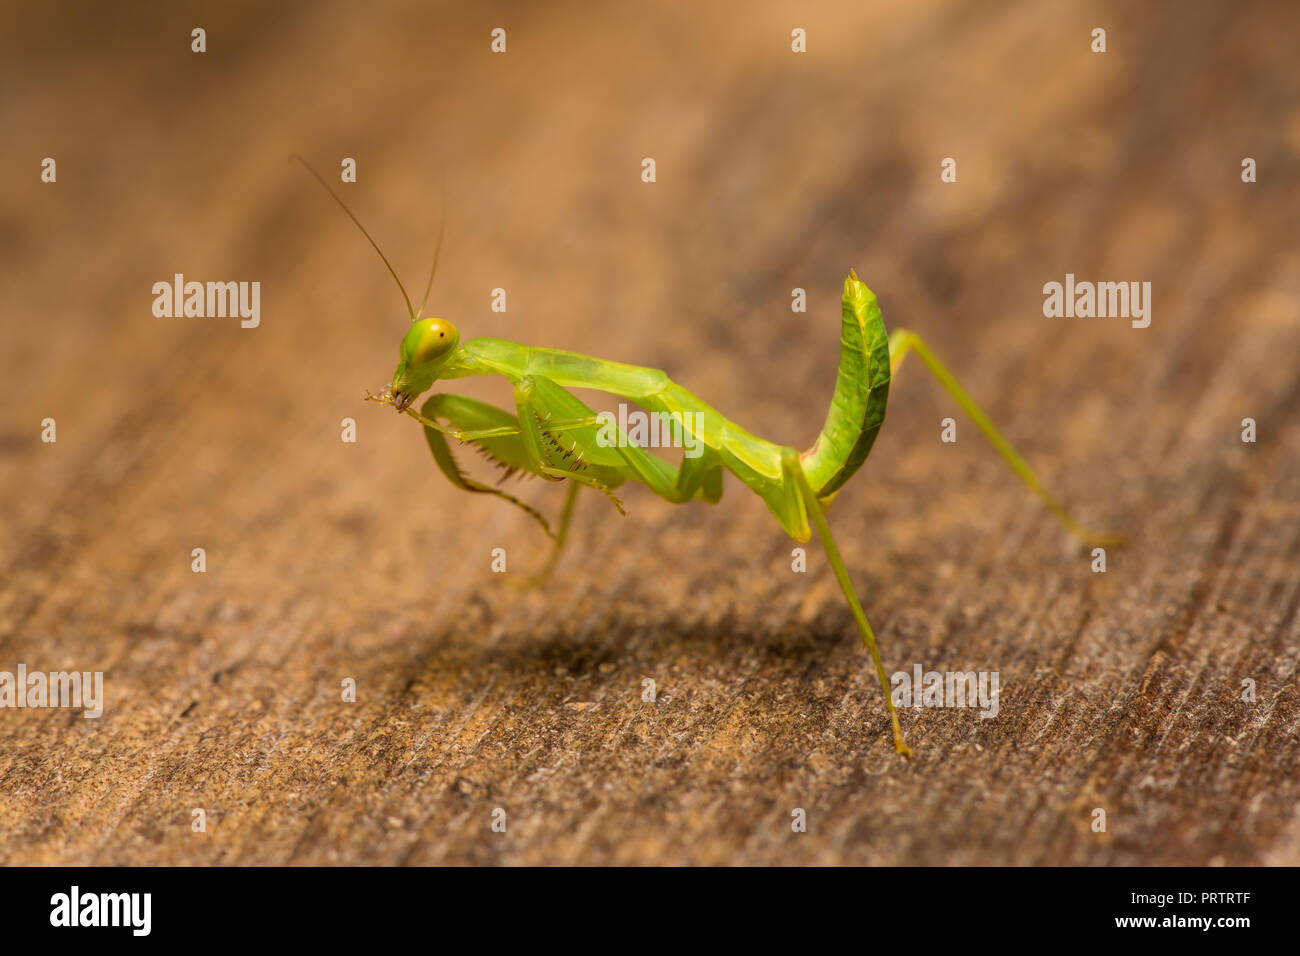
(553,435)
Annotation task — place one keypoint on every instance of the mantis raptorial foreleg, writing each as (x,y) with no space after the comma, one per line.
(497,433)
(804,497)
(902,341)
(578,457)
(505,449)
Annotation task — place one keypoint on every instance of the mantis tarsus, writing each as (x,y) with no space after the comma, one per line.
(555,436)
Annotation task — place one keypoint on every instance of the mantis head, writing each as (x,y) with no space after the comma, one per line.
(424,353)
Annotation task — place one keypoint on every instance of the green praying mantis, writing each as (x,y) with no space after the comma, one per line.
(553,435)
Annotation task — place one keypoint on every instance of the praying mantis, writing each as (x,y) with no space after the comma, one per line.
(553,435)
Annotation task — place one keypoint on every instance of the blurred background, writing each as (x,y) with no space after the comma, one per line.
(774,170)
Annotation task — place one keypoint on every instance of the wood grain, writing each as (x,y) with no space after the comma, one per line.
(328,560)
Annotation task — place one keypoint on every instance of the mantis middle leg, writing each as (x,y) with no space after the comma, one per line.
(581,450)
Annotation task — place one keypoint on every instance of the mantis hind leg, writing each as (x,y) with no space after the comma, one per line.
(902,341)
(802,495)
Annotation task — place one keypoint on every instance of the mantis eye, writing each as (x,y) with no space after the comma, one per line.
(429,340)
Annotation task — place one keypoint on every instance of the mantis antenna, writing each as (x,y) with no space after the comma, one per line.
(437,251)
(321,179)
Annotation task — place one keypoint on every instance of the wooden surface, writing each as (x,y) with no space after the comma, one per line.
(328,560)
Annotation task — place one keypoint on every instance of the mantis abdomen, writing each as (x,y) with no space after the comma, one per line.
(861,391)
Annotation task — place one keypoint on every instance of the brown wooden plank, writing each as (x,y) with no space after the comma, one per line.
(329,560)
